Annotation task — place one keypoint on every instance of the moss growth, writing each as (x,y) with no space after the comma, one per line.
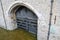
(18,34)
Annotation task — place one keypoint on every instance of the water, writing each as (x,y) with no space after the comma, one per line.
(18,34)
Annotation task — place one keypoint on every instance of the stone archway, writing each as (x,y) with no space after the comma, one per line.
(12,9)
(24,18)
(11,21)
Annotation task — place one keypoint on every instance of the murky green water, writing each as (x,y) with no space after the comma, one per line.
(18,34)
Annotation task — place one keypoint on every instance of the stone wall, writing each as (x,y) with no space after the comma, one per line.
(43,8)
(2,24)
(55,28)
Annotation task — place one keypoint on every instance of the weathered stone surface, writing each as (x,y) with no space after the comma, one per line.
(43,9)
(55,28)
(2,24)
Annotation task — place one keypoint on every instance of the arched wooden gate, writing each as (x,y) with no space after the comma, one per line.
(26,19)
